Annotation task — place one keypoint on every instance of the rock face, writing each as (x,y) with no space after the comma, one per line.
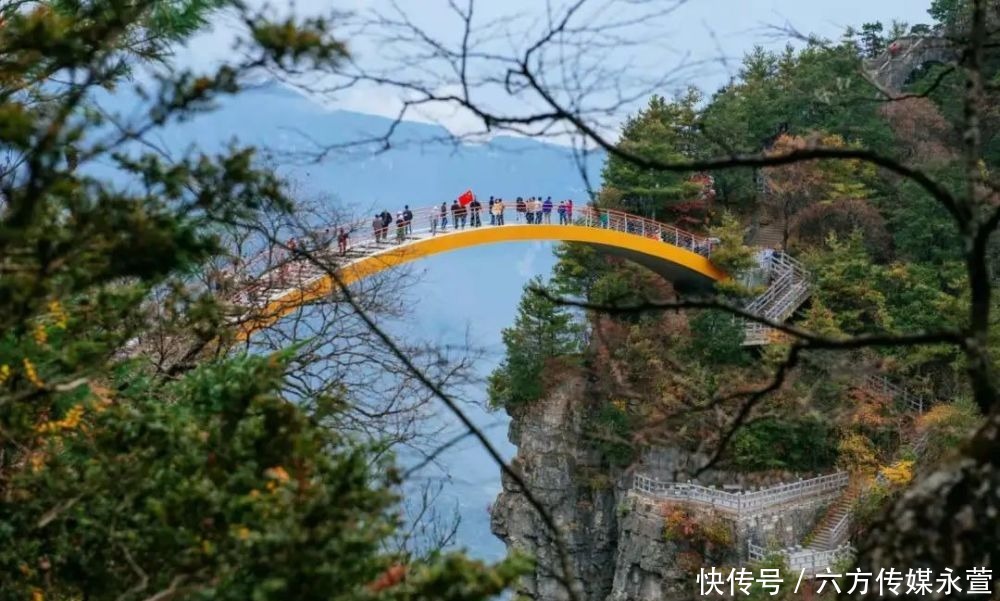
(618,543)
(568,478)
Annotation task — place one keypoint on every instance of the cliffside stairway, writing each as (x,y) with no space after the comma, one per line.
(831,531)
(746,504)
(881,385)
(787,290)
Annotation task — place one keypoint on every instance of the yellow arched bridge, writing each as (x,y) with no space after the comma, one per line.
(677,255)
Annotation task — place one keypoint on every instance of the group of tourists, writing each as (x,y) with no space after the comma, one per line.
(534,210)
(382,221)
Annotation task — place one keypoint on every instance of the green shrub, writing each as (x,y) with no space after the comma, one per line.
(806,444)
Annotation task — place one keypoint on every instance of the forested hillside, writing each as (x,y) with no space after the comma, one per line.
(885,258)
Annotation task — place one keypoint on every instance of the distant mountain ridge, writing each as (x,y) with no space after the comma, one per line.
(419,169)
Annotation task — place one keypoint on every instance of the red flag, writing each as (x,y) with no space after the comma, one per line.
(465,198)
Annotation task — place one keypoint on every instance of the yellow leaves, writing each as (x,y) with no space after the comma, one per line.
(857,453)
(620,404)
(36,461)
(40,335)
(4,373)
(31,373)
(938,415)
(37,595)
(58,314)
(899,473)
(70,421)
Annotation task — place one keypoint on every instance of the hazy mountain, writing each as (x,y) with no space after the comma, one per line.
(419,169)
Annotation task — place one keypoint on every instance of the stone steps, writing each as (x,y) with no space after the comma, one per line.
(824,536)
(768,235)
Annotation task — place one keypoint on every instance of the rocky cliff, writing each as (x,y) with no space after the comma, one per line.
(620,545)
(567,476)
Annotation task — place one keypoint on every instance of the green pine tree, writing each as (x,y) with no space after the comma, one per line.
(543,334)
(665,131)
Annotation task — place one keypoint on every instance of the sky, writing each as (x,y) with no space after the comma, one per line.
(474,293)
(695,42)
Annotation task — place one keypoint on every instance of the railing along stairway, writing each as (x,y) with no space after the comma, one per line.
(881,385)
(787,290)
(746,504)
(832,530)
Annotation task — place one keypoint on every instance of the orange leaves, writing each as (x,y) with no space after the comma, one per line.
(277,476)
(389,578)
(677,522)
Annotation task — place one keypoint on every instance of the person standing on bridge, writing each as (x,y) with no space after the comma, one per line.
(538,209)
(444,216)
(475,207)
(561,209)
(377,227)
(386,222)
(529,210)
(547,209)
(408,219)
(342,242)
(497,212)
(489,209)
(400,227)
(519,209)
(569,211)
(455,210)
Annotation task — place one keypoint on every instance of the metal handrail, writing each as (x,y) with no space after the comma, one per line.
(789,288)
(809,561)
(879,384)
(741,502)
(274,271)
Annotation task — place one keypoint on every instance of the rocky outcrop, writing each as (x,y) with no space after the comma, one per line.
(620,545)
(568,477)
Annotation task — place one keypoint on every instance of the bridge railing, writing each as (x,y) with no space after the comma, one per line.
(648,228)
(743,503)
(276,269)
